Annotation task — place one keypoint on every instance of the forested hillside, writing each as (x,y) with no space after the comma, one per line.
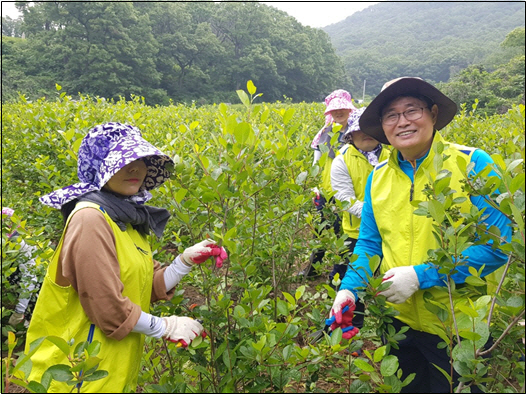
(180,51)
(433,40)
(202,52)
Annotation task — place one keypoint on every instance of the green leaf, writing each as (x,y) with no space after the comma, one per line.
(230,234)
(181,193)
(436,210)
(389,365)
(251,88)
(287,352)
(462,164)
(227,358)
(472,336)
(46,380)
(97,375)
(243,132)
(260,344)
(299,292)
(468,310)
(283,309)
(183,216)
(363,365)
(94,348)
(300,179)
(36,387)
(243,97)
(379,354)
(60,372)
(287,116)
(359,386)
(513,165)
(220,350)
(336,337)
(474,281)
(499,161)
(60,343)
(289,298)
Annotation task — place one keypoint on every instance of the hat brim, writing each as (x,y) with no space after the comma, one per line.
(370,122)
(330,108)
(131,148)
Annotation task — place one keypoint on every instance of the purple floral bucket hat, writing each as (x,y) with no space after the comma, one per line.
(103,152)
(354,120)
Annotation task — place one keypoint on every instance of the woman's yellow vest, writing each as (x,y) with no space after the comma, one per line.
(58,312)
(326,171)
(406,237)
(326,174)
(359,169)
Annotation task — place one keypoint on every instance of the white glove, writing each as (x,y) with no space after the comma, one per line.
(181,329)
(404,283)
(15,319)
(200,252)
(343,298)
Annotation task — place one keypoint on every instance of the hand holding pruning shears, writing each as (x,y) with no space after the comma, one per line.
(342,313)
(348,331)
(330,324)
(200,252)
(182,330)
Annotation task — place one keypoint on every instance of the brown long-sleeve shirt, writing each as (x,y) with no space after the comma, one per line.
(88,261)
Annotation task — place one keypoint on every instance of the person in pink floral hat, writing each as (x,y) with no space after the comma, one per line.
(102,277)
(338,107)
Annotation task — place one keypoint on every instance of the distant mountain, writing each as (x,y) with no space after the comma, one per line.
(432,40)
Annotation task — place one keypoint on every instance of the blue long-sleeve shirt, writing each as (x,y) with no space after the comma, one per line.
(370,241)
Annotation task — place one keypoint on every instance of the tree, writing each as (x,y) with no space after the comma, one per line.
(99,48)
(515,39)
(11,27)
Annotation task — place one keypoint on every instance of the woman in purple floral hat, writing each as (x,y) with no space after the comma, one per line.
(102,277)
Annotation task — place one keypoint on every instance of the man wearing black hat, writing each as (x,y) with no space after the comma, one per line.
(407,114)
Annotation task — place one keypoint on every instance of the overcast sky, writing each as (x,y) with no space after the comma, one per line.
(9,9)
(319,13)
(308,13)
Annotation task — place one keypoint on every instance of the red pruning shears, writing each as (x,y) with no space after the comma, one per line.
(181,343)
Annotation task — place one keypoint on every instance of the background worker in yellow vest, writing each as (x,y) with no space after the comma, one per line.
(349,173)
(407,114)
(102,277)
(338,108)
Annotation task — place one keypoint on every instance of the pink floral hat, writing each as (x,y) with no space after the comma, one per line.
(339,99)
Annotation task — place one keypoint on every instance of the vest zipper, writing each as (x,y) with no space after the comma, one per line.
(411,192)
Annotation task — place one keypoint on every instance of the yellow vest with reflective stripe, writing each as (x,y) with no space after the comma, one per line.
(406,237)
(58,312)
(359,169)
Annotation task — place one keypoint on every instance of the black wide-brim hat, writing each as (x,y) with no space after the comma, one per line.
(370,122)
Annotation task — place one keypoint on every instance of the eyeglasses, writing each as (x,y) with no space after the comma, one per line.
(411,114)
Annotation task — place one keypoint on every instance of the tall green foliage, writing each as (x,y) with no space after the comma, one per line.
(242,176)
